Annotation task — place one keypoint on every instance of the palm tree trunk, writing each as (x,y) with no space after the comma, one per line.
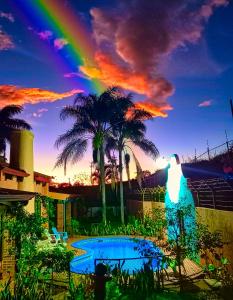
(128,176)
(121,188)
(102,184)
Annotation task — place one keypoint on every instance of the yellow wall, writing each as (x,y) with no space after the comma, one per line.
(222,221)
(58,196)
(215,219)
(41,189)
(9,183)
(21,157)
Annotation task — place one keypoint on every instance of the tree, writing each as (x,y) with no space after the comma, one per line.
(92,115)
(8,123)
(128,126)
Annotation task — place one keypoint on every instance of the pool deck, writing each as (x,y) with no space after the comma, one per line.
(189,269)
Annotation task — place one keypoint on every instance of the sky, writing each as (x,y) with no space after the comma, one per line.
(175,56)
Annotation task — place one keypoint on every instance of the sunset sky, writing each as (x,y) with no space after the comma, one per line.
(176,56)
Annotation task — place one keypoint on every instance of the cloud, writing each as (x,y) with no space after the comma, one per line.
(59,43)
(45,35)
(75,74)
(205,103)
(10,94)
(156,89)
(7,16)
(39,112)
(5,41)
(136,35)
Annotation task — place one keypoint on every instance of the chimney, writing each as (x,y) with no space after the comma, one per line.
(21,157)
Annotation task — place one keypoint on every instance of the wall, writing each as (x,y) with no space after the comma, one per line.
(9,183)
(219,220)
(215,219)
(41,188)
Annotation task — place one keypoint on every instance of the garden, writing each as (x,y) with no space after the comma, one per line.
(43,268)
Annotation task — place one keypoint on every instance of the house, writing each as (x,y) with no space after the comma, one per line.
(20,183)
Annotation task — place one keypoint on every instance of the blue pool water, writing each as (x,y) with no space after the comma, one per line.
(110,250)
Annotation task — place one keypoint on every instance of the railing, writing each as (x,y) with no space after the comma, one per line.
(135,263)
(226,147)
(212,193)
(155,194)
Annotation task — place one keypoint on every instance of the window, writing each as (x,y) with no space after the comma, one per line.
(8,177)
(19,179)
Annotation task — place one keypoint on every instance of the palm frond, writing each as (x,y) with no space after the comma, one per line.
(140,114)
(147,146)
(2,146)
(17,124)
(10,110)
(72,152)
(139,170)
(76,132)
(69,112)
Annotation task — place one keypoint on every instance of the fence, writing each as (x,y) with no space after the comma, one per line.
(136,264)
(159,264)
(211,193)
(226,147)
(156,194)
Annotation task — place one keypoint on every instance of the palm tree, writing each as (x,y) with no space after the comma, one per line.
(128,126)
(9,123)
(92,115)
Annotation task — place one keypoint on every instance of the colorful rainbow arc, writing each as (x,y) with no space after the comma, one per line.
(64,23)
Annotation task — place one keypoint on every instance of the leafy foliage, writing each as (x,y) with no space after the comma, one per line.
(8,123)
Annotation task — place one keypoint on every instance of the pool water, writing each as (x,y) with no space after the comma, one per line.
(114,252)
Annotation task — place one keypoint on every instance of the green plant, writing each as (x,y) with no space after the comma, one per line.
(75,226)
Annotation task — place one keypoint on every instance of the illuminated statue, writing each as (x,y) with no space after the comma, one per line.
(179,204)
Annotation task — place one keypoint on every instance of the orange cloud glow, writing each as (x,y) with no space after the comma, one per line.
(152,109)
(10,94)
(155,89)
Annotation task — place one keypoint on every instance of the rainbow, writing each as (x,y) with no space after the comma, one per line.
(64,23)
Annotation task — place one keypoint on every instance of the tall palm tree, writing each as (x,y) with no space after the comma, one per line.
(128,126)
(92,115)
(9,123)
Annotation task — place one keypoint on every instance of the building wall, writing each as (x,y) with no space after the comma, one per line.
(8,183)
(41,188)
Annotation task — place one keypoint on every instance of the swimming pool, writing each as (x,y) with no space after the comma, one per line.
(128,253)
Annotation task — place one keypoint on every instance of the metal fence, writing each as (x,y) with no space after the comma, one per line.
(159,265)
(136,264)
(156,194)
(210,153)
(211,193)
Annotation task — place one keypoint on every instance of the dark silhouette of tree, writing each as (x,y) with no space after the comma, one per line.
(92,115)
(128,127)
(9,123)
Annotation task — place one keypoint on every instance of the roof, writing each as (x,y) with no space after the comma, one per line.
(6,169)
(8,196)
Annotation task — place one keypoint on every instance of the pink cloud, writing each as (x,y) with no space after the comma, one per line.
(205,103)
(59,43)
(39,112)
(7,16)
(5,41)
(75,74)
(45,35)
